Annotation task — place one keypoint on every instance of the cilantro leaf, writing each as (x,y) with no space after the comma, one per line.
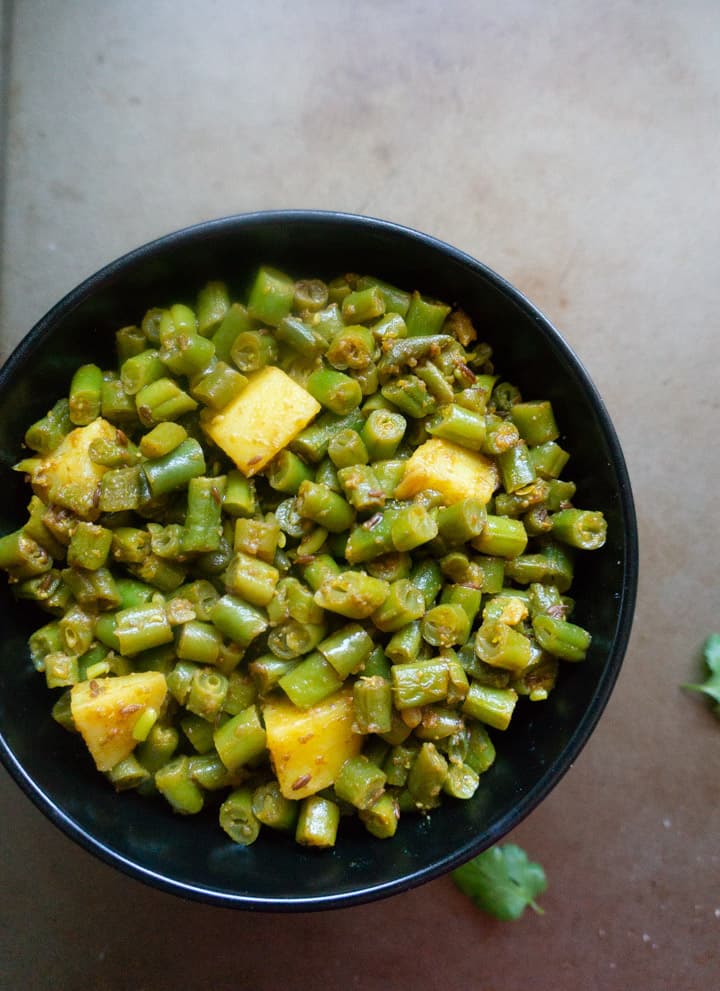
(502,881)
(711,686)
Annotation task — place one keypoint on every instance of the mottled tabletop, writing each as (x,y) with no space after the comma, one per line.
(573,147)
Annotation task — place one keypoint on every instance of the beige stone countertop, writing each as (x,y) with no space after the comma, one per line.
(574,148)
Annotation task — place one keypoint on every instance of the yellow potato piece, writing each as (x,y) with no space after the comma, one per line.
(105,711)
(309,746)
(67,477)
(450,469)
(270,411)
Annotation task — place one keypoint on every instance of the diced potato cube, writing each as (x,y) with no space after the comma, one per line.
(270,411)
(67,477)
(105,711)
(309,746)
(455,471)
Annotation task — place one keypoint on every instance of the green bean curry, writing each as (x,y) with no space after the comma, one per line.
(304,556)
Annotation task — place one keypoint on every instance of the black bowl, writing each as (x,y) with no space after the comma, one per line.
(192,856)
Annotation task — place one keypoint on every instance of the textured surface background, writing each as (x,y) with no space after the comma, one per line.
(573,147)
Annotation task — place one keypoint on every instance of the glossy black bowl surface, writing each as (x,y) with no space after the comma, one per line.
(192,856)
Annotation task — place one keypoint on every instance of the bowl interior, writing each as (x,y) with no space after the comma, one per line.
(191,855)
